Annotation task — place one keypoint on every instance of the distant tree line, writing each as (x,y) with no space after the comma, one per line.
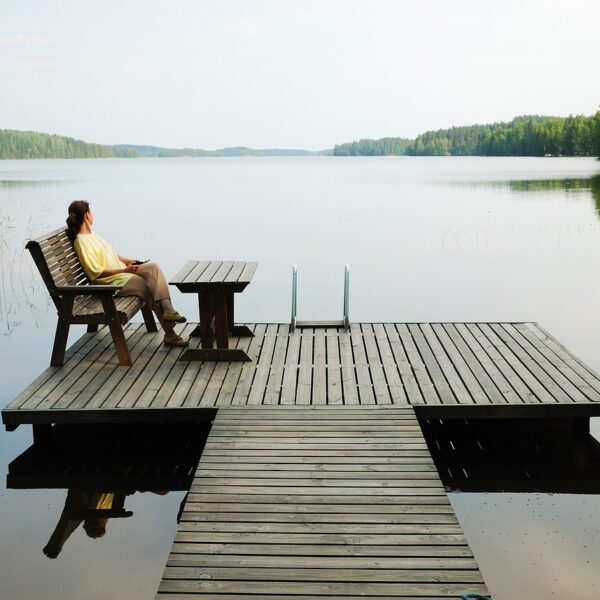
(523,136)
(29,144)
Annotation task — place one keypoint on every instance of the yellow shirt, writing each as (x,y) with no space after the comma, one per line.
(96,255)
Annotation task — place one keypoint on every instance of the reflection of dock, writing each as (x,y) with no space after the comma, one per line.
(316,480)
(128,458)
(513,455)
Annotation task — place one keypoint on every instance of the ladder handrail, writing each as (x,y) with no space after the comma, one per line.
(347,298)
(294,297)
(346,306)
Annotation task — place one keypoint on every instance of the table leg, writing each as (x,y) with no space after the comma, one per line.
(204,329)
(235,330)
(221,320)
(214,303)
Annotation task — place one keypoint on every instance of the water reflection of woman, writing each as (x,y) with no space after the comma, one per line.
(103,265)
(77,510)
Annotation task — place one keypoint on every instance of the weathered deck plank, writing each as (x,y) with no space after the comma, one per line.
(264,523)
(471,369)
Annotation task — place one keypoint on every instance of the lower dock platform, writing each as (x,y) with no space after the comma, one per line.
(318,502)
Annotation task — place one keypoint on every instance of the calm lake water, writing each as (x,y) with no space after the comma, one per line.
(427,239)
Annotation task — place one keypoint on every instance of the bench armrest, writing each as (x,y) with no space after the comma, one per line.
(88,290)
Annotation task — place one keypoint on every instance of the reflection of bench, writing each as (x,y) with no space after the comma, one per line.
(116,511)
(79,302)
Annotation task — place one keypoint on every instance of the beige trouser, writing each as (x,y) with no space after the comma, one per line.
(150,284)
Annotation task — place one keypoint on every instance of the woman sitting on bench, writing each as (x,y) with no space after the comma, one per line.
(103,265)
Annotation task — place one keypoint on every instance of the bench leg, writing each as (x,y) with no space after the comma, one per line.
(62,331)
(60,343)
(92,327)
(149,320)
(116,331)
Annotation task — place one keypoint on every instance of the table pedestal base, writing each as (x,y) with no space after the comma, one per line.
(235,331)
(215,354)
(240,331)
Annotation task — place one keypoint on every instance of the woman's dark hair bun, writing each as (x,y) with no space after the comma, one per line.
(77,212)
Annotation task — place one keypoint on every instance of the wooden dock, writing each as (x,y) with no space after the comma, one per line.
(318,502)
(440,369)
(316,480)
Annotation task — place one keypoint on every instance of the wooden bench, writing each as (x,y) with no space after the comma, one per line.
(78,301)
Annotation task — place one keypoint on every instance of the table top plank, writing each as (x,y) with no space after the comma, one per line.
(185,270)
(197,275)
(234,275)
(222,272)
(198,269)
(248,272)
(209,272)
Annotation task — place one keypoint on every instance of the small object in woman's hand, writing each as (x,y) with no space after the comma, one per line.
(140,262)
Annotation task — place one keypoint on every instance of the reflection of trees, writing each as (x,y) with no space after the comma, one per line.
(20,183)
(565,185)
(571,184)
(595,187)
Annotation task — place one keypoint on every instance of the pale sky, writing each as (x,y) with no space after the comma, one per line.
(287,73)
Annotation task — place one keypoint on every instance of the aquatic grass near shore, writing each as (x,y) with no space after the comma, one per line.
(20,286)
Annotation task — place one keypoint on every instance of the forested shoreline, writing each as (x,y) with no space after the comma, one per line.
(523,136)
(33,145)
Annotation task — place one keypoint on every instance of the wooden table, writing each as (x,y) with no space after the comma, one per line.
(215,282)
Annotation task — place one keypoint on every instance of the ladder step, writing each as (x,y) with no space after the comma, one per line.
(319,324)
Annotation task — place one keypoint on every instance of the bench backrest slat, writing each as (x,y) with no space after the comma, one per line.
(56,260)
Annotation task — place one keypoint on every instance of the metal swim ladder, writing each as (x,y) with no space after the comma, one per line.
(345,322)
